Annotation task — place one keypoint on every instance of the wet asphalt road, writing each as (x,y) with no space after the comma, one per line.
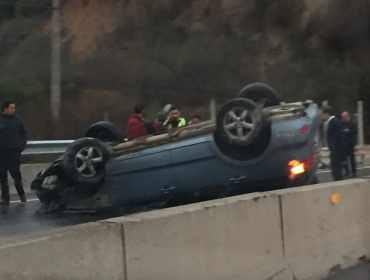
(361,272)
(21,218)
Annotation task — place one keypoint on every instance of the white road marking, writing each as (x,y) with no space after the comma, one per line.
(329,171)
(25,242)
(18,201)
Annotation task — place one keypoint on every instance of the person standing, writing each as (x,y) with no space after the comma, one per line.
(13,140)
(157,125)
(335,139)
(196,119)
(174,120)
(350,130)
(135,125)
(166,109)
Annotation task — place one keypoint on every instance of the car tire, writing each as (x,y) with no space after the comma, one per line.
(261,93)
(106,132)
(239,122)
(84,161)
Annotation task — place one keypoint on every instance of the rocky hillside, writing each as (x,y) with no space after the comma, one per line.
(119,52)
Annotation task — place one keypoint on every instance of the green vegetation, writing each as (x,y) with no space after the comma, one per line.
(23,8)
(21,91)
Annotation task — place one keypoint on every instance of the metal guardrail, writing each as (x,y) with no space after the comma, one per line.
(46,147)
(357,149)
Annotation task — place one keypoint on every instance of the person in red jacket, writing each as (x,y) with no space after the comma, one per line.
(135,125)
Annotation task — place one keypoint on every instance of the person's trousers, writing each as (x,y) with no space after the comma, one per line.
(350,153)
(10,160)
(336,159)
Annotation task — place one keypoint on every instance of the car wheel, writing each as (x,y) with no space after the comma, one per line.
(84,161)
(106,132)
(239,121)
(261,93)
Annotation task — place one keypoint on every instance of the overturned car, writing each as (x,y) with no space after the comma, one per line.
(256,143)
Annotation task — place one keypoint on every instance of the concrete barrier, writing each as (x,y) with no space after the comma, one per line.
(29,172)
(321,237)
(292,234)
(83,252)
(232,238)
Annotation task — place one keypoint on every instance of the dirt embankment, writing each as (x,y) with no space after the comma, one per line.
(116,53)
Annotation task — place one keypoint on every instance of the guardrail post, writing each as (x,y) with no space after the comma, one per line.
(324,143)
(360,123)
(212,109)
(106,116)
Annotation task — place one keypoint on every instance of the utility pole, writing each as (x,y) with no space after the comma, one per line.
(360,123)
(55,92)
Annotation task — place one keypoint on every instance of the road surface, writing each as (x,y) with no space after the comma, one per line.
(361,272)
(21,218)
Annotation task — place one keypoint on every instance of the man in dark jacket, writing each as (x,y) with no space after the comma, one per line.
(350,130)
(13,140)
(156,126)
(336,141)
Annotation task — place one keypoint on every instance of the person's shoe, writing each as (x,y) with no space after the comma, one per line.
(354,175)
(23,198)
(4,202)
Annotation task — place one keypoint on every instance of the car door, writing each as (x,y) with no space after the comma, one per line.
(195,166)
(142,178)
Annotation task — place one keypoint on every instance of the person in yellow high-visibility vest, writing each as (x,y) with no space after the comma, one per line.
(174,119)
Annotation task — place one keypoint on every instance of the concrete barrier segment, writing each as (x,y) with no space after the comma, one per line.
(232,238)
(84,252)
(322,236)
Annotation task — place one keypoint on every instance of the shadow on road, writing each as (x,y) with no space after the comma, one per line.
(361,272)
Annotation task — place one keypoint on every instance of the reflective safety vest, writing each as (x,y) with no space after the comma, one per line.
(182,122)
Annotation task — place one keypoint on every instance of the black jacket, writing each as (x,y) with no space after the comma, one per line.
(149,127)
(12,133)
(351,135)
(335,136)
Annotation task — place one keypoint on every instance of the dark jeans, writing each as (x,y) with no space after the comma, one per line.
(336,159)
(350,153)
(10,160)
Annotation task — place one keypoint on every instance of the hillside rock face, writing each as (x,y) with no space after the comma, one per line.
(187,51)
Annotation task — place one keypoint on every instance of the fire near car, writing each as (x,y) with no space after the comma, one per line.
(256,143)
